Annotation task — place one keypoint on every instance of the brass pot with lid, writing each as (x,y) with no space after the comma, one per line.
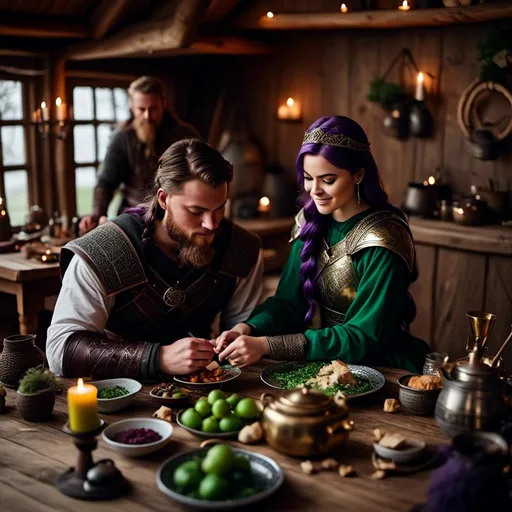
(303,422)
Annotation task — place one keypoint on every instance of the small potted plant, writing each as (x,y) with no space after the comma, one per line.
(35,396)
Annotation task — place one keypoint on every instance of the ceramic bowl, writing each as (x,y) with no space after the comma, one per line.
(266,473)
(411,450)
(164,428)
(208,435)
(417,401)
(170,401)
(109,405)
(232,373)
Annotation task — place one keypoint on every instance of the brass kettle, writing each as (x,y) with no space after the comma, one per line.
(303,422)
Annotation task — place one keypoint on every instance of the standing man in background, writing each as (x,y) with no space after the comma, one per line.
(133,153)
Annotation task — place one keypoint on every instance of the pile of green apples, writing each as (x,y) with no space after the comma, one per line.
(220,413)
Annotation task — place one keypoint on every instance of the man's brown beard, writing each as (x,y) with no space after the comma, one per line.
(146,133)
(189,253)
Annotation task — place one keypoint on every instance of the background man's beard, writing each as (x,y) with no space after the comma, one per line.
(146,133)
(189,253)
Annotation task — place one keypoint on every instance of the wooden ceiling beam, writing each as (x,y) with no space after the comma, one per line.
(106,15)
(389,18)
(148,37)
(44,28)
(219,10)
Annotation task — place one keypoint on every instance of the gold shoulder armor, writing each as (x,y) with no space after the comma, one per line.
(383,229)
(300,220)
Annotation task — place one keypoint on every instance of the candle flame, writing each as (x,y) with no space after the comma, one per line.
(80,384)
(460,211)
(3,213)
(420,77)
(48,251)
(425,183)
(44,257)
(405,4)
(1,200)
(264,201)
(395,114)
(290,102)
(431,180)
(343,8)
(270,14)
(58,101)
(43,104)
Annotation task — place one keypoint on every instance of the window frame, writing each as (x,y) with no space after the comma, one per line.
(29,85)
(94,83)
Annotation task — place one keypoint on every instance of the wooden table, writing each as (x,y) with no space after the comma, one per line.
(31,281)
(33,455)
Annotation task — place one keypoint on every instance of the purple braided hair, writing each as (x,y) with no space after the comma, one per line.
(371,191)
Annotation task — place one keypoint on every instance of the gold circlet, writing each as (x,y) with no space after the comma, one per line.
(318,136)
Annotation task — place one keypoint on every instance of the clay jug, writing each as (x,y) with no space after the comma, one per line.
(19,354)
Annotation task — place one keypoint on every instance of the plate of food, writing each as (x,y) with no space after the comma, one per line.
(329,377)
(169,394)
(219,478)
(210,377)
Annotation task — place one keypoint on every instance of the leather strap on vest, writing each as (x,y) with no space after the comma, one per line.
(90,353)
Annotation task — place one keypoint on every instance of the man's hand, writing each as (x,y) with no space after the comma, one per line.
(228,337)
(89,222)
(245,350)
(185,356)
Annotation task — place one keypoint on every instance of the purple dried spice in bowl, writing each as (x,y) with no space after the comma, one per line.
(137,436)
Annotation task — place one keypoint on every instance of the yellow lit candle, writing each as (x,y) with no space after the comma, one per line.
(83,407)
(270,14)
(405,6)
(420,89)
(264,205)
(45,111)
(343,8)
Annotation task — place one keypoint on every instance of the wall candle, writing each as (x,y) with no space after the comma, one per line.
(83,407)
(420,88)
(44,111)
(61,109)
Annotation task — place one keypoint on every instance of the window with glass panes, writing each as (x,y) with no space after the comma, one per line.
(14,161)
(96,111)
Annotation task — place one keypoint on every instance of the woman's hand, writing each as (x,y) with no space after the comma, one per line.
(228,337)
(245,350)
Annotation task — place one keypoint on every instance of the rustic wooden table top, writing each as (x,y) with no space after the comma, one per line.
(33,455)
(15,267)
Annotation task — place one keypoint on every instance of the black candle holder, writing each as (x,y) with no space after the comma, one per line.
(90,481)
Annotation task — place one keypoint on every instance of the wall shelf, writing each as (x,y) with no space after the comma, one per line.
(382,19)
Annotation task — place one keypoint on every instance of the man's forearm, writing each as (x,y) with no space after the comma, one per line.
(102,197)
(88,353)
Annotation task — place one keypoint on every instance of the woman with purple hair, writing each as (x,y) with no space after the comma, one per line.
(344,293)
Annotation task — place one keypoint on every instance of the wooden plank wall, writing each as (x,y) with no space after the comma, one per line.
(329,73)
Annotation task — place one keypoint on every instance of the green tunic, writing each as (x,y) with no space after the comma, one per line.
(371,332)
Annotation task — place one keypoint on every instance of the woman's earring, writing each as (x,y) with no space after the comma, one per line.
(358,194)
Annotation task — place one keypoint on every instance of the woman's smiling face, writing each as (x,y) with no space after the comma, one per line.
(330,187)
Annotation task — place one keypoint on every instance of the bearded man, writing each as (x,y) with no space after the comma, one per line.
(133,152)
(139,294)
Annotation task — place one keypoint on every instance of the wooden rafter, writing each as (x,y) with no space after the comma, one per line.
(391,18)
(106,15)
(219,10)
(44,28)
(147,38)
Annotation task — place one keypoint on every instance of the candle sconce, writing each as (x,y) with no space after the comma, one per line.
(46,126)
(291,111)
(87,480)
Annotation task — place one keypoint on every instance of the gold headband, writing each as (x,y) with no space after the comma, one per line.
(317,136)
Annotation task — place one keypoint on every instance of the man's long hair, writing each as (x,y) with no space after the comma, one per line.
(185,160)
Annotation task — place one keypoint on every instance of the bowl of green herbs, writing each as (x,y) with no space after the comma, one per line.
(294,374)
(115,394)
